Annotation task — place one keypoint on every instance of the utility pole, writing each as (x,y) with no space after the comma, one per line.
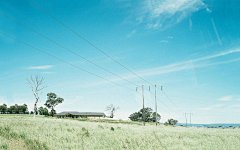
(155,101)
(190,119)
(143,115)
(186,118)
(143,106)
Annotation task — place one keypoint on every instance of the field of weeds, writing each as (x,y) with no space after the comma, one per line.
(24,132)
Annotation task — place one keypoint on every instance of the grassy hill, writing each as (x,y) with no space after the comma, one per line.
(25,132)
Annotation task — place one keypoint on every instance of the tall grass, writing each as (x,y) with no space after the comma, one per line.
(46,133)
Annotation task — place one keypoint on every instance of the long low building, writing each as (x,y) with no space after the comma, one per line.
(75,114)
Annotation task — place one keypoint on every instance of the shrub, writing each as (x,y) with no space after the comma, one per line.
(171,122)
(69,130)
(101,127)
(83,129)
(4,146)
(112,128)
(86,134)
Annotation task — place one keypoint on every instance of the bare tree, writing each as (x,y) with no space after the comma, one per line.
(111,110)
(36,85)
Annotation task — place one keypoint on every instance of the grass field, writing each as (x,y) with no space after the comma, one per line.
(25,132)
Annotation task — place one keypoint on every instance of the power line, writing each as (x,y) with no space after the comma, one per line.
(68,49)
(66,62)
(83,30)
(163,103)
(149,101)
(89,42)
(86,41)
(72,52)
(171,101)
(159,101)
(48,30)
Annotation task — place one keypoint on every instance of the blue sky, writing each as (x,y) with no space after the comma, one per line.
(190,47)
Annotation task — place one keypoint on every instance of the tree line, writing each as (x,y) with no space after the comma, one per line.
(23,109)
(15,109)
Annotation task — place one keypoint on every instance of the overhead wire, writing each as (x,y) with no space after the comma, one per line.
(83,30)
(171,101)
(46,29)
(86,39)
(163,103)
(153,103)
(66,61)
(68,49)
(89,42)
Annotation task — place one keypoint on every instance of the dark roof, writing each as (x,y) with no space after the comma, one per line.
(81,113)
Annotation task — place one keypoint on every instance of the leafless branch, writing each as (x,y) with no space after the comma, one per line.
(35,84)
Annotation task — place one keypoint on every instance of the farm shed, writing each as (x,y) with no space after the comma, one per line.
(75,114)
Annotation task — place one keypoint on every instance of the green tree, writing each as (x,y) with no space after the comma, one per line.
(22,108)
(52,102)
(16,109)
(25,108)
(40,110)
(8,110)
(43,111)
(13,109)
(148,115)
(171,121)
(154,117)
(3,108)
(135,116)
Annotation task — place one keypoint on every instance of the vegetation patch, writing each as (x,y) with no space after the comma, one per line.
(70,134)
(4,146)
(19,141)
(101,127)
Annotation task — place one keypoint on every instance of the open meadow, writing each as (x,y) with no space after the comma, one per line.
(25,132)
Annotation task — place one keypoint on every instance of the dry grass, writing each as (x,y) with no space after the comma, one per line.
(46,133)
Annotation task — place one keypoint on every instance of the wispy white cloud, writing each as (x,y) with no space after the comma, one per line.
(225,98)
(131,34)
(234,106)
(40,67)
(48,72)
(239,99)
(165,13)
(170,37)
(222,108)
(164,41)
(212,107)
(186,65)
(216,32)
(190,24)
(208,10)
